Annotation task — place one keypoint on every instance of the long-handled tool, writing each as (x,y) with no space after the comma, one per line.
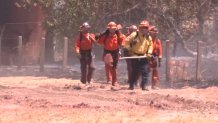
(133,57)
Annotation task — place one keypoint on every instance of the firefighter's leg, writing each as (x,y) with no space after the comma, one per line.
(129,69)
(114,76)
(139,76)
(114,68)
(134,74)
(145,73)
(108,73)
(83,67)
(91,69)
(155,76)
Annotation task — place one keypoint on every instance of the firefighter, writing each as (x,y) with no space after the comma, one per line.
(111,40)
(119,27)
(83,48)
(155,61)
(139,43)
(131,29)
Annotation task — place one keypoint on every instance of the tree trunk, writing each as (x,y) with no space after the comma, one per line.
(2,29)
(49,47)
(177,21)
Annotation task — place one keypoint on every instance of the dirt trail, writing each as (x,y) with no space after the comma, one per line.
(29,99)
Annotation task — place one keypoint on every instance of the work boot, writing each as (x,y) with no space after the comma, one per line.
(145,88)
(114,84)
(90,82)
(154,88)
(131,88)
(136,84)
(83,82)
(109,81)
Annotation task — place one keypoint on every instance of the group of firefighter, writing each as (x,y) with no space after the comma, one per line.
(140,46)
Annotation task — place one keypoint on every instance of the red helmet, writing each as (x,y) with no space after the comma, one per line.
(144,23)
(112,25)
(153,29)
(85,25)
(133,27)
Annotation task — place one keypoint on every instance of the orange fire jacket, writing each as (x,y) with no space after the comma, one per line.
(84,42)
(157,48)
(112,42)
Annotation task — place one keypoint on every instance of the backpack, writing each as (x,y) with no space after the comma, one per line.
(137,34)
(106,33)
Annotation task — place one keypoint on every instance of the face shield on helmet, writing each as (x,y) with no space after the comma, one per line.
(153,29)
(112,27)
(144,24)
(85,27)
(143,27)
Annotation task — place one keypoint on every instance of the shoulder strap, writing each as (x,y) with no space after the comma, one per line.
(81,37)
(150,41)
(118,37)
(134,39)
(105,38)
(158,40)
(106,35)
(137,34)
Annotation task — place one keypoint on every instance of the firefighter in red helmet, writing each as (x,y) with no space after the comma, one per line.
(111,40)
(155,61)
(83,47)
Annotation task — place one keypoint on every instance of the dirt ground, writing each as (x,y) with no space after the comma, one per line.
(37,98)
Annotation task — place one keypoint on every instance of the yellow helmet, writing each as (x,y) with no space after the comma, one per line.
(144,23)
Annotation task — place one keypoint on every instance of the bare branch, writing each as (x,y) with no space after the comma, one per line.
(118,13)
(125,11)
(172,26)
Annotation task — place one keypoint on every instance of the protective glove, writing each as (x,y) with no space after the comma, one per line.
(149,56)
(97,36)
(120,54)
(125,52)
(159,62)
(93,56)
(78,55)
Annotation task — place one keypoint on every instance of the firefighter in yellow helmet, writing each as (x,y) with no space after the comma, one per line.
(139,43)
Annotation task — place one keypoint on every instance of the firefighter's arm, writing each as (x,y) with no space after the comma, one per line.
(160,53)
(150,47)
(122,40)
(77,45)
(160,49)
(101,39)
(92,37)
(128,41)
(97,35)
